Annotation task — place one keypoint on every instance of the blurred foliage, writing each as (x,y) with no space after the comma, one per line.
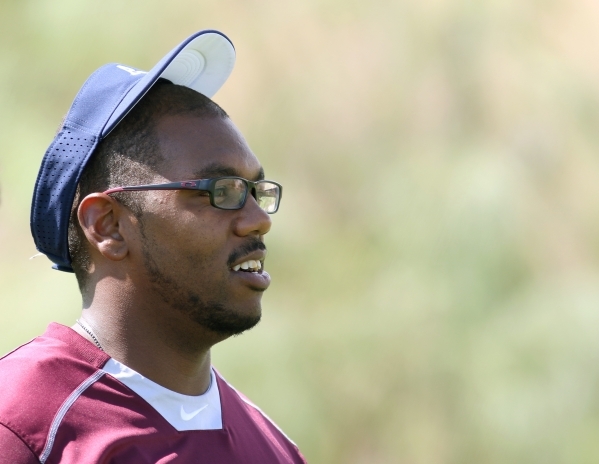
(434,263)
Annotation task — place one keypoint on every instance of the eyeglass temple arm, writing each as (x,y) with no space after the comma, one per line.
(183,185)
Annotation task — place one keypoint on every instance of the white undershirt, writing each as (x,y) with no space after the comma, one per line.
(183,412)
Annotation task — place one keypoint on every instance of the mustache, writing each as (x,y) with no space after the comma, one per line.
(248,247)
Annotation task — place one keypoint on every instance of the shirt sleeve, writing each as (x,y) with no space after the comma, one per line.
(14,450)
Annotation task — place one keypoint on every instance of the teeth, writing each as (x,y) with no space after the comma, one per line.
(251,264)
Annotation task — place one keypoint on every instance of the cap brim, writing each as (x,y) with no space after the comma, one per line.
(203,62)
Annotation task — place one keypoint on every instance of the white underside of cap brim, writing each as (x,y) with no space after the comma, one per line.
(203,65)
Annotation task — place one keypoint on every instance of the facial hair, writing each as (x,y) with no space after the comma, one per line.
(210,314)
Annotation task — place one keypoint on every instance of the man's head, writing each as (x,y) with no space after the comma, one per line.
(174,252)
(173,245)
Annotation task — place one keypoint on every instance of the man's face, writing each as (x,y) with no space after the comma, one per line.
(188,247)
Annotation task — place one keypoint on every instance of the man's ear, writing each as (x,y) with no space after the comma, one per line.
(101,218)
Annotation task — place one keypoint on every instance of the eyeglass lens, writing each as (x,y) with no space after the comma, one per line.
(230,193)
(267,196)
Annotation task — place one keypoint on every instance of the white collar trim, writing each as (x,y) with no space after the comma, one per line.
(183,412)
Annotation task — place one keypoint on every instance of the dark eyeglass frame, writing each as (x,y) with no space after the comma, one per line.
(207,185)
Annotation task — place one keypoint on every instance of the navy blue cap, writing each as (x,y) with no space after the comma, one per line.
(202,62)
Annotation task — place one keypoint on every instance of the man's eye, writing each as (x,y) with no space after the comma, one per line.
(220,193)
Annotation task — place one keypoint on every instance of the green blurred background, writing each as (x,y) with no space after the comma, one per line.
(435,291)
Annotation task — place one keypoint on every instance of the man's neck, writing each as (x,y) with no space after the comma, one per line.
(171,351)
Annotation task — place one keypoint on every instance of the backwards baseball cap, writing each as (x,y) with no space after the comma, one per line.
(202,62)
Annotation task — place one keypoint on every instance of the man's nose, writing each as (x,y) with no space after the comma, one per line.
(252,219)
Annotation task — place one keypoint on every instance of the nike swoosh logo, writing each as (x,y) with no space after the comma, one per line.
(188,416)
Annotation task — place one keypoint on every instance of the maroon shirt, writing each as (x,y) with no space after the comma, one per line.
(58,405)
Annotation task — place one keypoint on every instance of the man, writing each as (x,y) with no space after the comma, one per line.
(153,198)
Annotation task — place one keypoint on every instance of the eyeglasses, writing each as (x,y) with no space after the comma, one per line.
(225,192)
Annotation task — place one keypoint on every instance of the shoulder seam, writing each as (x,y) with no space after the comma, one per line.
(17,348)
(17,434)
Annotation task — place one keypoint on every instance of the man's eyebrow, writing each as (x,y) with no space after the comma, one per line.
(219,170)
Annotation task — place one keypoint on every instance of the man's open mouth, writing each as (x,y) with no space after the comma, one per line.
(250,265)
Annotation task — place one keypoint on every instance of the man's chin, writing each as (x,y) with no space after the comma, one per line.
(225,321)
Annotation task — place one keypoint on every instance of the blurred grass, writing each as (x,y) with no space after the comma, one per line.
(434,263)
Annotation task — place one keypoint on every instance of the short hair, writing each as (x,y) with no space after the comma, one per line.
(130,155)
